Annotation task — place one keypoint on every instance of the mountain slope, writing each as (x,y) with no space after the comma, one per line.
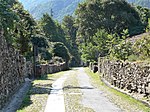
(61,7)
(144,3)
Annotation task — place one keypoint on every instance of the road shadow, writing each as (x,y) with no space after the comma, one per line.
(35,89)
(40,89)
(74,87)
(45,77)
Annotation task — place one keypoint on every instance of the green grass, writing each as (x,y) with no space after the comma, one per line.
(124,101)
(36,98)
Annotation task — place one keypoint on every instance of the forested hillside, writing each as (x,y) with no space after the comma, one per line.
(59,8)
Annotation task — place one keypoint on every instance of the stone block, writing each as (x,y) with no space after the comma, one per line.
(125,75)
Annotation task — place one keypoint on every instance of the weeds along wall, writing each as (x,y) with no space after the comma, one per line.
(132,77)
(11,71)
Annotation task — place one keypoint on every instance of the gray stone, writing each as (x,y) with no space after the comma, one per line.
(11,71)
(132,77)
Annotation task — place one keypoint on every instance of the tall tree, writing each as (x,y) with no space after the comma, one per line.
(70,29)
(24,29)
(111,15)
(7,17)
(52,30)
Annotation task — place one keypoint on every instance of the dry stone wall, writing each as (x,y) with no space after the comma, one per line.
(53,68)
(132,77)
(44,69)
(11,71)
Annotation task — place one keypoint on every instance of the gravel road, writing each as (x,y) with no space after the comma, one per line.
(93,97)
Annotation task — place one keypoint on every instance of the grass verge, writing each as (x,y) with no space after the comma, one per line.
(36,98)
(124,101)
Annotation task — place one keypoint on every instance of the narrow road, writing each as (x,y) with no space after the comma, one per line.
(55,102)
(93,97)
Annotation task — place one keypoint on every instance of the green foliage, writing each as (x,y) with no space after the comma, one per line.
(97,29)
(52,30)
(108,45)
(121,49)
(101,41)
(45,54)
(23,29)
(89,52)
(70,30)
(40,41)
(17,24)
(144,14)
(42,46)
(148,26)
(142,48)
(133,58)
(60,7)
(98,47)
(111,15)
(60,50)
(57,60)
(7,17)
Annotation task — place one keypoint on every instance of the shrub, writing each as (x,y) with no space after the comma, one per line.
(60,50)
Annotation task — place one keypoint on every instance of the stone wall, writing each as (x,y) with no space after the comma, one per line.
(132,77)
(53,68)
(29,69)
(43,69)
(93,67)
(11,71)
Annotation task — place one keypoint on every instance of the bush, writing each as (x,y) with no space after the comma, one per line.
(142,47)
(60,50)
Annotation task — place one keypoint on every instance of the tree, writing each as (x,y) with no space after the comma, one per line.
(40,41)
(142,47)
(89,52)
(23,29)
(101,41)
(7,18)
(99,46)
(60,50)
(111,15)
(70,30)
(121,48)
(148,26)
(121,51)
(18,25)
(52,29)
